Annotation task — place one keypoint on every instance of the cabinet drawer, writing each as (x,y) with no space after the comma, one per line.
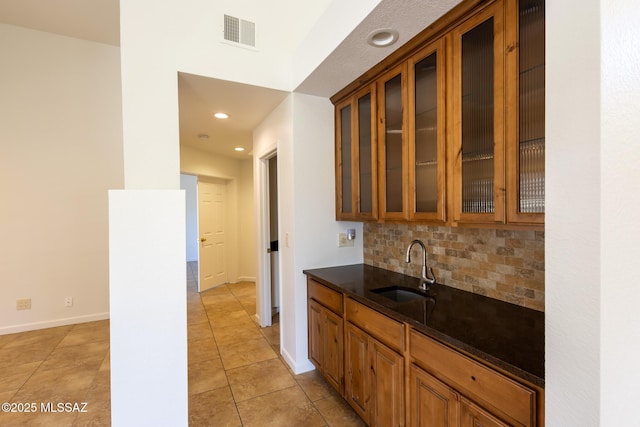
(379,326)
(474,379)
(325,296)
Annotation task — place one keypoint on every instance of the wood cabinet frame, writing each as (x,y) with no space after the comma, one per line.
(494,11)
(356,212)
(375,379)
(438,48)
(382,141)
(512,128)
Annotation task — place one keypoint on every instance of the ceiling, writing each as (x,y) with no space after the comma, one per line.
(247,106)
(200,97)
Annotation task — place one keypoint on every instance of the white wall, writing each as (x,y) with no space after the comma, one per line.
(158,40)
(60,151)
(592,231)
(334,25)
(619,211)
(302,130)
(189,183)
(247,263)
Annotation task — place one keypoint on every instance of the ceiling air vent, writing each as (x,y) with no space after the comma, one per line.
(239,31)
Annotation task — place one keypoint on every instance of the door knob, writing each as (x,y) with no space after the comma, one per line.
(268,250)
(203,239)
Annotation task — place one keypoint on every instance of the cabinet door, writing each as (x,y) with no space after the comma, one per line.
(426,81)
(316,335)
(392,144)
(478,117)
(333,356)
(472,415)
(525,111)
(344,161)
(356,157)
(357,370)
(387,386)
(433,404)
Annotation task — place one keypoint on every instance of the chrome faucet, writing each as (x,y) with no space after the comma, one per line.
(426,272)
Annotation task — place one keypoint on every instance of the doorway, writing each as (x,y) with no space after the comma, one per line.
(268,280)
(273,238)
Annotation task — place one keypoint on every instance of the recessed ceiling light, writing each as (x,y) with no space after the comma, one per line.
(239,149)
(382,37)
(221,115)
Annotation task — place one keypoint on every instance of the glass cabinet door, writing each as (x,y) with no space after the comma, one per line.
(367,156)
(344,176)
(392,150)
(478,106)
(356,157)
(427,134)
(526,113)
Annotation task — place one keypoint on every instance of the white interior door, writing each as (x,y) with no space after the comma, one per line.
(212,265)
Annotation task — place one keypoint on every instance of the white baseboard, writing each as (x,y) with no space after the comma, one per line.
(246,279)
(53,323)
(297,368)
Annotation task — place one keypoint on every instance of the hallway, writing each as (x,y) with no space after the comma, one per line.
(236,376)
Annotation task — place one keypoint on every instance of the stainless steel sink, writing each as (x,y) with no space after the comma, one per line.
(399,294)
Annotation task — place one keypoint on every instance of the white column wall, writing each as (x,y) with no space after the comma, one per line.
(592,231)
(620,212)
(148,308)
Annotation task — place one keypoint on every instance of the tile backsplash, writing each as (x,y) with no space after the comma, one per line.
(503,264)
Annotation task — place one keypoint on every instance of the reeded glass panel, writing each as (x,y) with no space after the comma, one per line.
(477,119)
(426,137)
(532,84)
(345,151)
(393,144)
(364,147)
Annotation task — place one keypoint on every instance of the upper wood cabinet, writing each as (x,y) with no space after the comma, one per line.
(525,85)
(356,156)
(458,114)
(393,148)
(427,126)
(477,117)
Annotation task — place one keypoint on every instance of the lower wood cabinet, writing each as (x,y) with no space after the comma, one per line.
(472,415)
(325,343)
(431,402)
(356,387)
(374,379)
(486,396)
(393,375)
(325,330)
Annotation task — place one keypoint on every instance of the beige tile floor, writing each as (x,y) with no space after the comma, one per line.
(236,376)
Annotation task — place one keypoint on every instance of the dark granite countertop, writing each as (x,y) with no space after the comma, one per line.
(505,335)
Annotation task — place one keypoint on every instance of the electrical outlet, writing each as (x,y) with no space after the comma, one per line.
(343,241)
(68,302)
(23,304)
